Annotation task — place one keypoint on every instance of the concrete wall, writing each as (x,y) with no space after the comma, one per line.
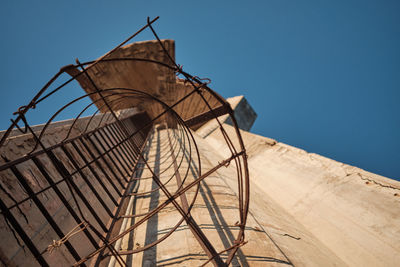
(35,225)
(318,211)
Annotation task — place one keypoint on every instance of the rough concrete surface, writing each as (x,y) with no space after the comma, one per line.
(215,211)
(319,211)
(305,209)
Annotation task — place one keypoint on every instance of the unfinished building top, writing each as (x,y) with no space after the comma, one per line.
(147,68)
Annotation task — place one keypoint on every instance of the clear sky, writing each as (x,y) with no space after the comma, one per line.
(322,75)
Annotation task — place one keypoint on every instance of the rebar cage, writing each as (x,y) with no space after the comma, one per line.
(72,191)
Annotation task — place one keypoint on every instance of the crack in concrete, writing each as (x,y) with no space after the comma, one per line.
(297,238)
(373,181)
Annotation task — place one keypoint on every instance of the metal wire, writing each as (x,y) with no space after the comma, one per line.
(106,155)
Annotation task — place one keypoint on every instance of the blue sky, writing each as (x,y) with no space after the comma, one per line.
(322,75)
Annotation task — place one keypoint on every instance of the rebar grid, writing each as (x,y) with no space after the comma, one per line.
(107,155)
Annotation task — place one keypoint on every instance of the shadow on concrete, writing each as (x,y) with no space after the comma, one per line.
(203,257)
(138,173)
(216,216)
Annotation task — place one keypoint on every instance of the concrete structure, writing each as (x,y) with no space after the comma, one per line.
(305,209)
(317,211)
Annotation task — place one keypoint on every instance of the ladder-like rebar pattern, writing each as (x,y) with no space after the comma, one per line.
(111,188)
